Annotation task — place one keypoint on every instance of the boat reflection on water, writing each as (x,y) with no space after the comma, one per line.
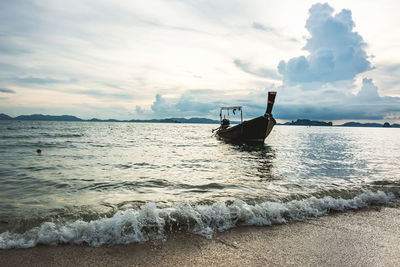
(256,161)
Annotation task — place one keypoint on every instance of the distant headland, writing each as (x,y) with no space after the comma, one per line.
(298,122)
(305,122)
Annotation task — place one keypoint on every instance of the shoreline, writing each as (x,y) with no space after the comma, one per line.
(353,238)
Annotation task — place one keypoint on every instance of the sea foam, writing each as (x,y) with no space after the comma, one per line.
(152,223)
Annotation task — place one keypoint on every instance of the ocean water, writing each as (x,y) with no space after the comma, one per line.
(118,183)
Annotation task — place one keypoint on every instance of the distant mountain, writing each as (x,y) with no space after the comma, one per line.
(358,124)
(5,117)
(40,117)
(168,121)
(156,121)
(196,120)
(108,120)
(305,122)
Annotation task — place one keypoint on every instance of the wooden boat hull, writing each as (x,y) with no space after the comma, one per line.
(252,131)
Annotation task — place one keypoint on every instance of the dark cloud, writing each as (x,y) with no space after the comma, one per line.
(261,27)
(336,51)
(8,91)
(292,39)
(98,93)
(329,113)
(261,72)
(367,104)
(37,80)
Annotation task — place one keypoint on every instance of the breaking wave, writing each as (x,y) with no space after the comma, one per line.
(152,223)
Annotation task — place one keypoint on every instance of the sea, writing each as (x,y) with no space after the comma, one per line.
(100,183)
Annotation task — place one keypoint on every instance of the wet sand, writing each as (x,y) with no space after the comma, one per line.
(363,238)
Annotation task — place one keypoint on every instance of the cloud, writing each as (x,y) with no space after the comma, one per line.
(261,27)
(392,68)
(320,85)
(205,103)
(334,104)
(99,93)
(328,113)
(140,111)
(160,105)
(261,72)
(369,91)
(327,103)
(37,80)
(336,52)
(12,48)
(8,91)
(388,76)
(191,103)
(316,86)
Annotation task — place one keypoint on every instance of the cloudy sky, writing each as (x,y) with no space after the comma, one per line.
(336,61)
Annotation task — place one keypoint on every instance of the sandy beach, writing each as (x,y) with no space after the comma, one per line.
(361,238)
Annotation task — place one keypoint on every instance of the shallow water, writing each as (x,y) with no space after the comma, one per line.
(179,176)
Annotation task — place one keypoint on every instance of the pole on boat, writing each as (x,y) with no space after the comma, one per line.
(271,100)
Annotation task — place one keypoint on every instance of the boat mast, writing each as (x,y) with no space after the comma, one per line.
(271,100)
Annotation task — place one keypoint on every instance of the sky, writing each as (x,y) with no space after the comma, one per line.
(333,61)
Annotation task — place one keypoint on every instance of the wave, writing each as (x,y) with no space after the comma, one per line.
(40,135)
(152,223)
(62,135)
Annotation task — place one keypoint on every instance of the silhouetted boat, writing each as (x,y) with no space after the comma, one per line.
(251,131)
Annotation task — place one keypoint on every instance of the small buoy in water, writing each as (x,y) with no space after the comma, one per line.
(39,151)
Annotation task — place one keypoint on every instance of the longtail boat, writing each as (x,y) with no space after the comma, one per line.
(251,131)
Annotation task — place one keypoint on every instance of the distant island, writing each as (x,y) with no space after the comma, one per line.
(357,124)
(306,122)
(298,122)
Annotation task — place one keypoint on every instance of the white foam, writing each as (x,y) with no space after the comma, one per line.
(151,223)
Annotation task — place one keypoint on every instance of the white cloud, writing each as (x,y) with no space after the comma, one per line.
(336,52)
